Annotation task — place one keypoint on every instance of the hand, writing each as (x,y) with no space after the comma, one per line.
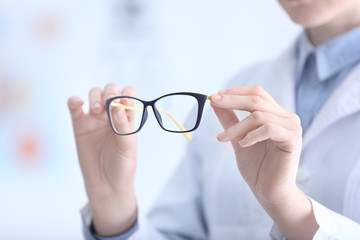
(107,161)
(267,143)
(267,147)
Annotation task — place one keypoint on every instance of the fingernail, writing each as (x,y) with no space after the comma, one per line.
(97,105)
(216,97)
(221,135)
(223,91)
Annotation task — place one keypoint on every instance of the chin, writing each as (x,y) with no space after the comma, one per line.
(308,21)
(313,13)
(308,17)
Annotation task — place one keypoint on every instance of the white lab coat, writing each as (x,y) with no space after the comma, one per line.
(207,199)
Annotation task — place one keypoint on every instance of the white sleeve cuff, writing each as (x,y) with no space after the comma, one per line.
(276,234)
(333,225)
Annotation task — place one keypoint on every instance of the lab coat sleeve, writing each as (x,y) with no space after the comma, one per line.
(177,213)
(332,225)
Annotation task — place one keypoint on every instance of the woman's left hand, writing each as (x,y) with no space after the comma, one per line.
(267,146)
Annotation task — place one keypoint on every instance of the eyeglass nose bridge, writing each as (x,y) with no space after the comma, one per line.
(144,118)
(157,115)
(150,106)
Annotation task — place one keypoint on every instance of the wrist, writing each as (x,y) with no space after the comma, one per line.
(294,215)
(113,213)
(277,193)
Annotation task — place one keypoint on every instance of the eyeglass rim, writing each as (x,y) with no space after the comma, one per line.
(201,99)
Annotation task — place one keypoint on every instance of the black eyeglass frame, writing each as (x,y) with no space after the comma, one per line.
(201,99)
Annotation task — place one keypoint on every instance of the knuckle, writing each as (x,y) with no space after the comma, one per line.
(257,116)
(268,127)
(295,118)
(256,100)
(258,90)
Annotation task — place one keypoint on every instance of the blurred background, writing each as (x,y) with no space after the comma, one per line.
(53,49)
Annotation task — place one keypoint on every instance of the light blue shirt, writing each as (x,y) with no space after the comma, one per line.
(318,72)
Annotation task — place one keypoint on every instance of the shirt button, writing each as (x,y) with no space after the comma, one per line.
(302,175)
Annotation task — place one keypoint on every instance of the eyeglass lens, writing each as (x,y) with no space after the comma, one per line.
(177,113)
(175,109)
(134,110)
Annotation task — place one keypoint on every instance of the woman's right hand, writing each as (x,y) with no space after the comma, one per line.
(107,161)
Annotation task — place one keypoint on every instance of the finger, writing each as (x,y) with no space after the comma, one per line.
(75,106)
(111,90)
(246,103)
(120,121)
(95,99)
(131,92)
(255,90)
(253,121)
(267,131)
(227,117)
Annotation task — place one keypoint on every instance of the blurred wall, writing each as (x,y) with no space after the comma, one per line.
(52,49)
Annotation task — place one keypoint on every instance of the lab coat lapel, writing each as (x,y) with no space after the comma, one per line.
(344,101)
(280,82)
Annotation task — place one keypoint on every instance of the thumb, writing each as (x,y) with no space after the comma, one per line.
(227,117)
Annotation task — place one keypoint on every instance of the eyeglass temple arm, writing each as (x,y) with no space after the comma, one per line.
(187,135)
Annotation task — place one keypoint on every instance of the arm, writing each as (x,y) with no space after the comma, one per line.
(177,213)
(267,146)
(108,164)
(107,161)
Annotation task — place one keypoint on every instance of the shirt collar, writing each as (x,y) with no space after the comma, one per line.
(304,49)
(331,56)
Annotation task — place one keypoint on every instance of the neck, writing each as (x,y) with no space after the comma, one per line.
(347,21)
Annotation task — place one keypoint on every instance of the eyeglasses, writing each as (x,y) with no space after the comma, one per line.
(170,112)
